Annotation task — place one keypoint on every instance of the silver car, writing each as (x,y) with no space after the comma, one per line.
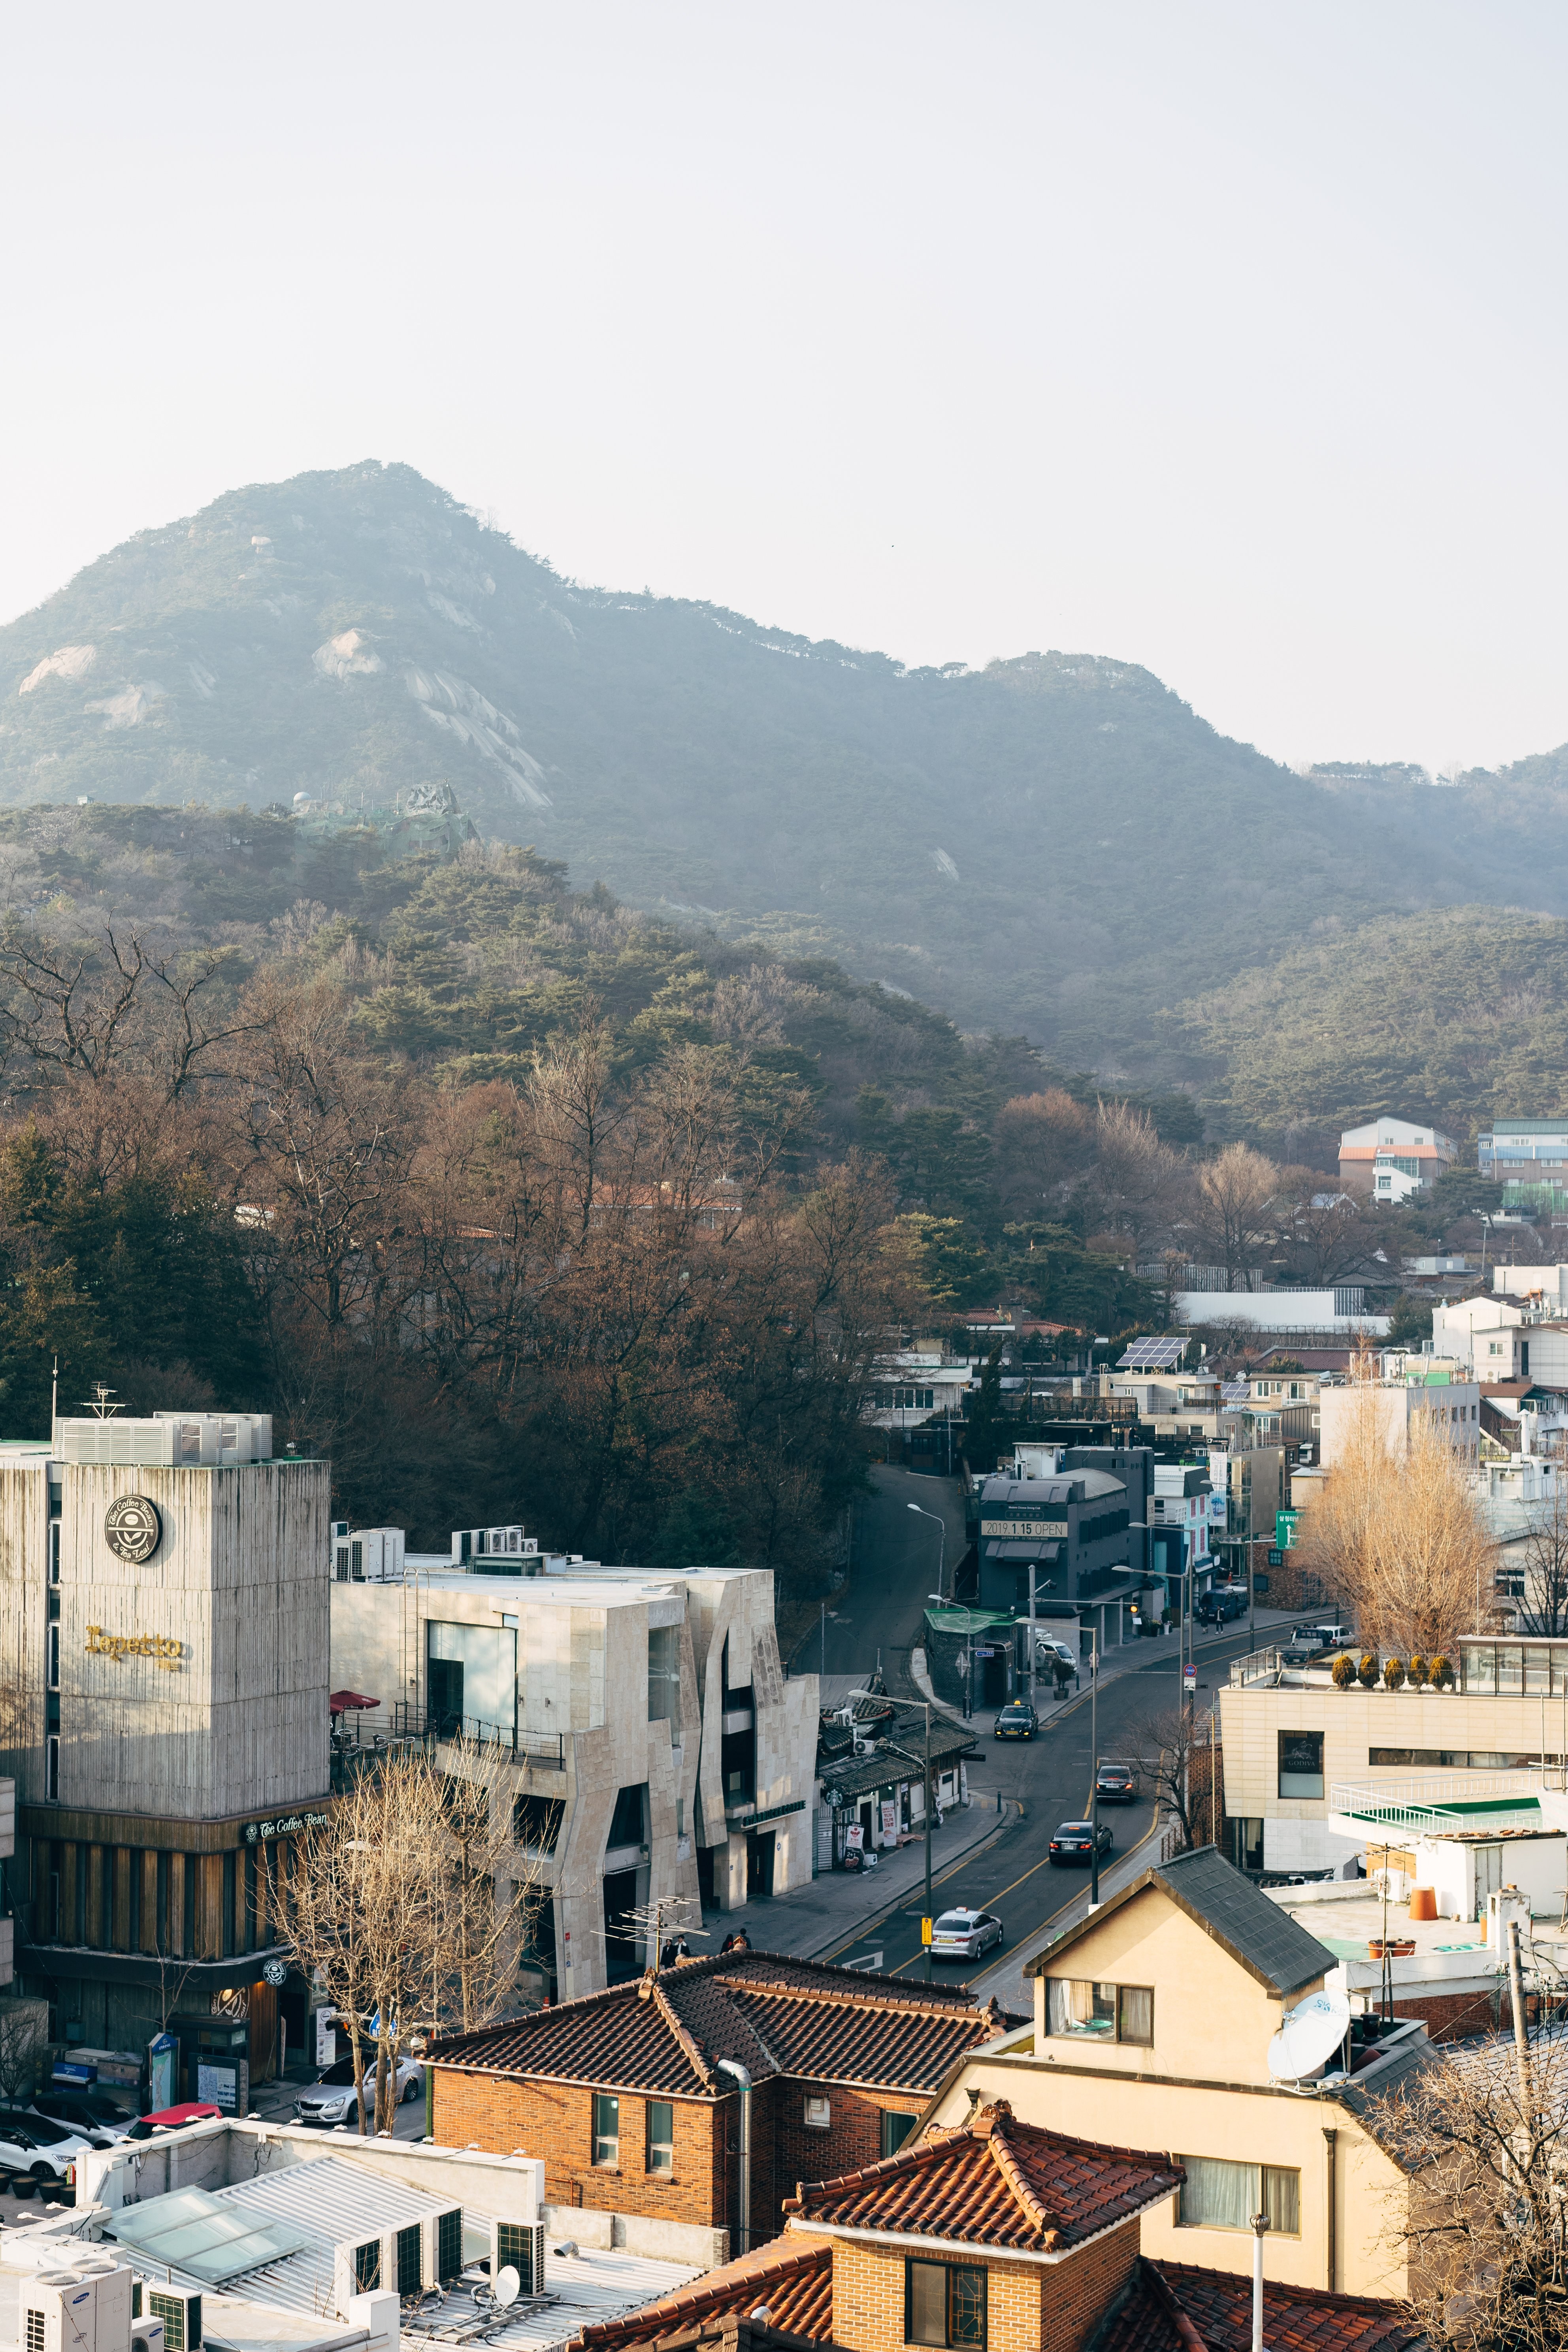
(964,1935)
(330,2100)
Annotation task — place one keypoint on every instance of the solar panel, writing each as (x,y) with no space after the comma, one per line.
(1151,1355)
(1236,1393)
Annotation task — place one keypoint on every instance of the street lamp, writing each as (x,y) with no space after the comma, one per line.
(942,1529)
(926,1703)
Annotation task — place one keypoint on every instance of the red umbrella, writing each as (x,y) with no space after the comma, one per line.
(345,1701)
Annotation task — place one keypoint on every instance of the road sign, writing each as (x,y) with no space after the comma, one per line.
(925,1931)
(984,1653)
(1190,1676)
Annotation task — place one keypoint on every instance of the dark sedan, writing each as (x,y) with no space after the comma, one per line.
(1076,1842)
(1115,1784)
(1017,1720)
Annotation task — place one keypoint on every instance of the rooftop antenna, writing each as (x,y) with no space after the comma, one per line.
(99,1402)
(55,1391)
(504,2293)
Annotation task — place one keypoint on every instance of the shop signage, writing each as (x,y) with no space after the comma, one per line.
(285,1825)
(275,1972)
(1024,1528)
(133,1528)
(163,1647)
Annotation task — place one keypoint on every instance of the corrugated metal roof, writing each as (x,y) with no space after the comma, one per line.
(335,2199)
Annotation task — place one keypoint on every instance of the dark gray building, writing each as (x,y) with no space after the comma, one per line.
(1072,1532)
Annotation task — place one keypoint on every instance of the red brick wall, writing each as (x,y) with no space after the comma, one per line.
(853,2137)
(1027,2303)
(555,2121)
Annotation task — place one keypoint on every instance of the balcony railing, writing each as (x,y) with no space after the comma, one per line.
(545,1751)
(1259,1666)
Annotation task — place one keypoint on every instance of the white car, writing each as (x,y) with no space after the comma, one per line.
(1047,1651)
(330,2099)
(33,2143)
(964,1935)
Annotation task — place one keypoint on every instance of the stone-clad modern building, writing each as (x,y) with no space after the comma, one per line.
(164,1651)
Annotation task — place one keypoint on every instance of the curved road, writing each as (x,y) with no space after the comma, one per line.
(1041,1781)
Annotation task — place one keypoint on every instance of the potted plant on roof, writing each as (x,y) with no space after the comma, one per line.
(1392,1673)
(1366,1673)
(1344,1673)
(1441,1670)
(1418,1671)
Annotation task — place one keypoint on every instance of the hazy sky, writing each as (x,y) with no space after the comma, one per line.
(1228,339)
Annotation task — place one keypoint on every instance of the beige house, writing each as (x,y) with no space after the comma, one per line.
(1152,2022)
(1447,1404)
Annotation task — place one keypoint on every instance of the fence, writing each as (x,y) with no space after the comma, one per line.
(545,1750)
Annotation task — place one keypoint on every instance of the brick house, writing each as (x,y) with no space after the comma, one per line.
(624,2096)
(993,2237)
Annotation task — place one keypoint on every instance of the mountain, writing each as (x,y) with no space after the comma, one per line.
(1055,845)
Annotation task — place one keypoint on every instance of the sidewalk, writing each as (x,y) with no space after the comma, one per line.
(1128,1657)
(818,1918)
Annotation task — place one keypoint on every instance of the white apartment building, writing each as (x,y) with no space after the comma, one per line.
(1394,1157)
(1433,1400)
(652,1743)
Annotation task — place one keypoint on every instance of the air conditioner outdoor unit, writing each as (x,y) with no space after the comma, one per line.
(180,2310)
(77,2311)
(147,2336)
(394,2261)
(443,2246)
(519,2246)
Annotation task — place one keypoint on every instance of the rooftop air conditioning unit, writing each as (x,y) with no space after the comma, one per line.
(147,2336)
(443,2254)
(394,2261)
(179,2310)
(519,2246)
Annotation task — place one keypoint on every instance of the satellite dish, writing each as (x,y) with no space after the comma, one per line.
(1309,2036)
(507,2288)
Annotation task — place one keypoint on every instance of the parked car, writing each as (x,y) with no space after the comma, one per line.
(1048,1650)
(1017,1720)
(1115,1784)
(163,2119)
(1076,1841)
(86,2110)
(331,2097)
(964,1935)
(1220,1608)
(30,2143)
(1334,1637)
(1299,1653)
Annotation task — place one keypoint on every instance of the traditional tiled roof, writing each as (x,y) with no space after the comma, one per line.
(993,2181)
(792,2282)
(665,2031)
(1266,1940)
(1174,2307)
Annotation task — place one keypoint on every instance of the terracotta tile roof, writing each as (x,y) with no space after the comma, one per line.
(994,2181)
(794,2283)
(665,2033)
(1175,2307)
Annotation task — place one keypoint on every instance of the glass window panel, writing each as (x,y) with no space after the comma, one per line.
(1138,2014)
(1478,1667)
(1509,1666)
(967,2309)
(1078,2007)
(1537,1667)
(1216,2195)
(607,2128)
(928,2302)
(1300,1763)
(661,2135)
(1282,2199)
(1559,1669)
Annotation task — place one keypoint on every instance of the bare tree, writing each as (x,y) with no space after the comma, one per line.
(1167,1742)
(1543,1555)
(24,2036)
(1139,1183)
(1236,1194)
(1479,2220)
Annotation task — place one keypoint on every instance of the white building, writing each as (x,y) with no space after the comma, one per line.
(1434,1400)
(1342,1310)
(1394,1157)
(657,1748)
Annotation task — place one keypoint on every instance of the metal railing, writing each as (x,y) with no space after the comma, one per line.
(1259,1666)
(1447,1800)
(545,1750)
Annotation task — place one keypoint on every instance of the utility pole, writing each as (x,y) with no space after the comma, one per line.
(1032,1567)
(941,1529)
(1093,1768)
(931,1923)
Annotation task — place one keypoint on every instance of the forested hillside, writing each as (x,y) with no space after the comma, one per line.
(1056,845)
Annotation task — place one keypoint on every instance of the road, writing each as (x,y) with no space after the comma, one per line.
(1048,1780)
(1042,1782)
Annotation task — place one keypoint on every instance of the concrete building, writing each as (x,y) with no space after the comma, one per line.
(1306,1312)
(1428,1399)
(164,1646)
(1392,1157)
(659,1747)
(1529,1158)
(1289,1737)
(1068,1527)
(1256,1484)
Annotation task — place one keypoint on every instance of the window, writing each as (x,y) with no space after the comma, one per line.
(818,2115)
(52,1768)
(661,2135)
(896,2129)
(536,1822)
(944,2304)
(1099,2012)
(607,2129)
(663,1678)
(1300,1763)
(1248,1834)
(52,1656)
(628,1823)
(1218,2195)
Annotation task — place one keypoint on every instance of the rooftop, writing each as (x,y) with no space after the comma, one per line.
(1176,2307)
(794,2283)
(1269,1943)
(665,2031)
(993,2181)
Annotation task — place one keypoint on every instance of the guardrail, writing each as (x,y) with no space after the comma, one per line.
(1443,1799)
(1258,1666)
(545,1750)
